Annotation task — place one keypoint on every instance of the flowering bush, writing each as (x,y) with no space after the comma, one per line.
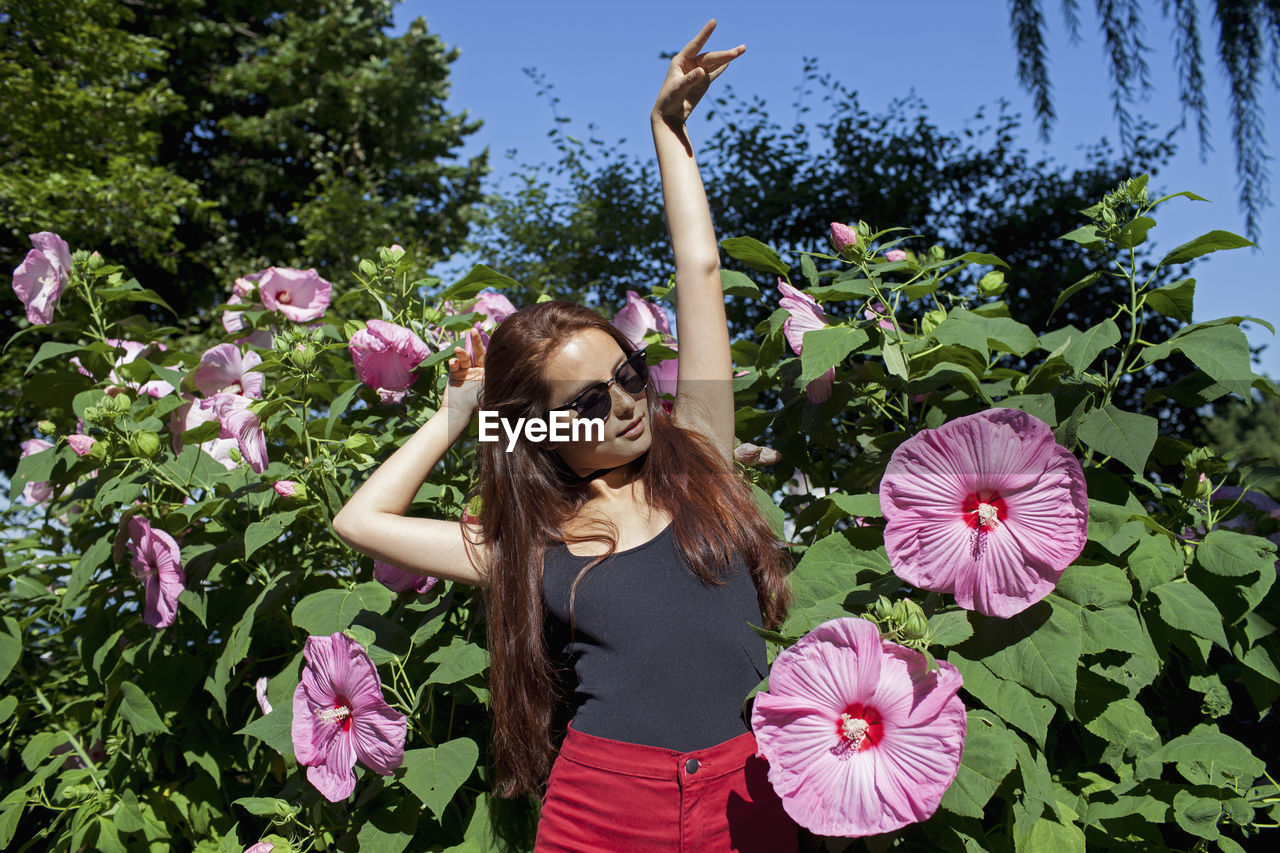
(999,565)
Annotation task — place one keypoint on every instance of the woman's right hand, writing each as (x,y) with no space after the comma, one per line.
(466,378)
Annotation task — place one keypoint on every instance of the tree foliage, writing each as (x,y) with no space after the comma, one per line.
(1248,46)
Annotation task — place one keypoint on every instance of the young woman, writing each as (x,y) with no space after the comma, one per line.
(622,574)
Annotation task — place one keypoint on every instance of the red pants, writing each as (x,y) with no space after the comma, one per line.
(609,795)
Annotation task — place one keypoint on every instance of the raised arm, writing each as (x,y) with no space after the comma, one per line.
(373,520)
(704,389)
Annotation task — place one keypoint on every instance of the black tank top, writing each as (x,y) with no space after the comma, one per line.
(659,658)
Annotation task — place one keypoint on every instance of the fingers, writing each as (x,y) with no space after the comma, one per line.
(691,49)
(477,347)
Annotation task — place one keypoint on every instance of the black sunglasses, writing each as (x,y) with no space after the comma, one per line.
(632,376)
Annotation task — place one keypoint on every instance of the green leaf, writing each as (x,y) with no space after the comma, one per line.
(1185,607)
(894,361)
(755,254)
(1206,756)
(982,258)
(950,627)
(1134,233)
(1155,561)
(1075,288)
(1175,300)
(1016,705)
(138,710)
(1102,585)
(825,348)
(435,774)
(826,571)
(1221,351)
(1050,836)
(857,506)
(1124,722)
(1204,244)
(988,758)
(1197,815)
(770,510)
(48,350)
(1038,648)
(476,280)
(331,610)
(734,283)
(1123,435)
(1228,554)
(1086,235)
(10,650)
(457,661)
(1185,193)
(268,530)
(1082,350)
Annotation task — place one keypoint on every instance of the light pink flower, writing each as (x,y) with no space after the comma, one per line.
(132,350)
(300,295)
(223,368)
(385,356)
(157,562)
(39,279)
(260,847)
(805,315)
(81,443)
(860,739)
(247,285)
(640,317)
(495,307)
(339,715)
(988,507)
(236,420)
(285,488)
(397,579)
(35,492)
(843,236)
(189,416)
(260,690)
(878,309)
(895,255)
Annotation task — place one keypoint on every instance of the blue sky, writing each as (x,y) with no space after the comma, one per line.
(602,57)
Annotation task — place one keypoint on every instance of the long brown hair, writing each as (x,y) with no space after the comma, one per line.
(529,494)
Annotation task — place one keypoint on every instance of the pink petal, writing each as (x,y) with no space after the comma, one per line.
(333,775)
(55,249)
(819,390)
(37,283)
(308,293)
(639,317)
(378,732)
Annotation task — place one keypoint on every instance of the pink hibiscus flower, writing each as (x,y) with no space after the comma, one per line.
(81,443)
(988,507)
(189,416)
(260,691)
(878,309)
(339,715)
(385,356)
(35,492)
(805,315)
(223,368)
(39,279)
(132,350)
(860,739)
(237,421)
(895,255)
(640,317)
(397,579)
(300,295)
(754,454)
(494,306)
(157,562)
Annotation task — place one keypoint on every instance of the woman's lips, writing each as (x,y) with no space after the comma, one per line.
(632,428)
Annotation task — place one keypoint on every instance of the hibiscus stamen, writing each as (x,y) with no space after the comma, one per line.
(854,730)
(858,728)
(332,715)
(284,297)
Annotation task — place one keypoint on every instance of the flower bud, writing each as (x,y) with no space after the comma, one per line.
(916,625)
(992,284)
(900,611)
(882,609)
(932,320)
(234,453)
(47,427)
(895,255)
(93,415)
(368,267)
(94,261)
(98,452)
(144,444)
(303,356)
(290,489)
(843,236)
(119,402)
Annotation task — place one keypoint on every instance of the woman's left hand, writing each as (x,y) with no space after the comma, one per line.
(689,75)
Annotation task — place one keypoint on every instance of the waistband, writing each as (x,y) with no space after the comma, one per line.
(655,762)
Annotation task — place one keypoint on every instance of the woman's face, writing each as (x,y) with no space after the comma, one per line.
(589,357)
